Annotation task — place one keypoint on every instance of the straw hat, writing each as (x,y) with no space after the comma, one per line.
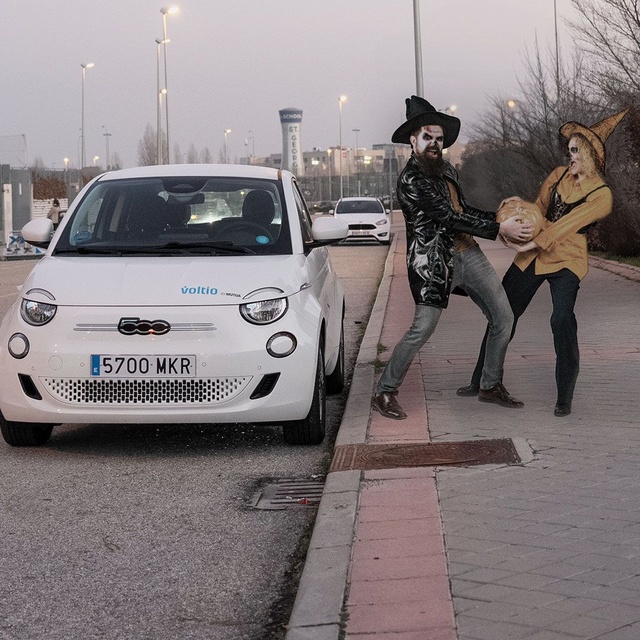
(597,134)
(420,113)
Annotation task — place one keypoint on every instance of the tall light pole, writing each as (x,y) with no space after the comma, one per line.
(158,104)
(341,101)
(226,150)
(555,23)
(357,131)
(253,146)
(84,66)
(106,139)
(66,177)
(330,175)
(417,40)
(165,12)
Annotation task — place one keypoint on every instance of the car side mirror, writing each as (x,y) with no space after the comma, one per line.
(38,232)
(328,230)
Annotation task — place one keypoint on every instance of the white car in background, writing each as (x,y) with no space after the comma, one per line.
(367,218)
(141,312)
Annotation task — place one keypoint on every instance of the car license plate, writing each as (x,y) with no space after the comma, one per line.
(359,233)
(130,366)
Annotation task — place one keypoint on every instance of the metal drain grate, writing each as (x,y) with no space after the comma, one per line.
(292,492)
(422,454)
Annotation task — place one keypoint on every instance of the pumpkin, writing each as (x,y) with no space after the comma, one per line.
(526,211)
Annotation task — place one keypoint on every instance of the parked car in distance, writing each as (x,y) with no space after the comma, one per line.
(367,218)
(177,294)
(322,206)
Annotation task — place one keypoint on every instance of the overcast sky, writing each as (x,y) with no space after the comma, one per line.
(234,64)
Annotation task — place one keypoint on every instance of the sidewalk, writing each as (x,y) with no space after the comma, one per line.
(546,549)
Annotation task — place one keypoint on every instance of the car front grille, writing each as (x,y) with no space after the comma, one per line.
(362,227)
(79,391)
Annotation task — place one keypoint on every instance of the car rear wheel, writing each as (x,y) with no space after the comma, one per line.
(335,380)
(311,429)
(24,434)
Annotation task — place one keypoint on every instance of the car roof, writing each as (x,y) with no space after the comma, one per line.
(222,170)
(360,198)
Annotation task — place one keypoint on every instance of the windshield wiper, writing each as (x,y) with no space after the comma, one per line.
(215,247)
(178,248)
(88,251)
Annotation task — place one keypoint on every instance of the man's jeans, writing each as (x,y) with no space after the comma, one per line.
(424,324)
(474,273)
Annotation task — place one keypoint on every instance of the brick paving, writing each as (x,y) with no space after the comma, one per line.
(544,550)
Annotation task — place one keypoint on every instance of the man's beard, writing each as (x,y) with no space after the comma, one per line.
(430,166)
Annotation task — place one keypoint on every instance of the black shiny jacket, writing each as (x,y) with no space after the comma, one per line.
(432,223)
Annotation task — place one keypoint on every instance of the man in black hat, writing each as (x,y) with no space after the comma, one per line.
(441,252)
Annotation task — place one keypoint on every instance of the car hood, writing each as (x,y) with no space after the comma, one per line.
(166,281)
(355,218)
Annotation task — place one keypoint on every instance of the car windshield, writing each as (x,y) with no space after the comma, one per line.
(178,216)
(359,206)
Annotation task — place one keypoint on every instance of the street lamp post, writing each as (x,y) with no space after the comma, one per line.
(165,11)
(417,40)
(357,131)
(106,138)
(253,147)
(341,101)
(84,66)
(95,159)
(66,176)
(555,23)
(158,105)
(226,149)
(330,175)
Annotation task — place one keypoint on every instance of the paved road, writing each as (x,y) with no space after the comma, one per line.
(146,532)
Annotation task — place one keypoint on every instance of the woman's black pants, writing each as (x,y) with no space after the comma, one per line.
(520,287)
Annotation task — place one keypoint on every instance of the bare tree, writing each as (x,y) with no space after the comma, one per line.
(192,155)
(147,147)
(116,161)
(38,164)
(609,30)
(177,154)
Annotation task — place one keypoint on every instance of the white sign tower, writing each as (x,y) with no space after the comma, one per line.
(291,121)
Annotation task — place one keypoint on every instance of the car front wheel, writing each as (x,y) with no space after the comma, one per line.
(311,429)
(24,434)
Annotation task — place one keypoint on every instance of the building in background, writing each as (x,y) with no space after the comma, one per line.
(291,122)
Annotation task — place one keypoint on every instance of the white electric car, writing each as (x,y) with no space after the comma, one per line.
(177,294)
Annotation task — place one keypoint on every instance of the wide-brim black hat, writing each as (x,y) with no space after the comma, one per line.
(420,113)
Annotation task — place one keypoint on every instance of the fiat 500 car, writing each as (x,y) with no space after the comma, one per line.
(177,294)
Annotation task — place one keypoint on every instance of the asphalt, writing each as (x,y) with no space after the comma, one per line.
(547,548)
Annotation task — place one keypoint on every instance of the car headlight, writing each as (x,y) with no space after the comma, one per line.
(381,222)
(37,313)
(264,312)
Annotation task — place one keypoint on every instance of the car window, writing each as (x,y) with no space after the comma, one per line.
(303,213)
(180,213)
(359,206)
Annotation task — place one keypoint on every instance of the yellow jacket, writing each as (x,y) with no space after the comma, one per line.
(561,246)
